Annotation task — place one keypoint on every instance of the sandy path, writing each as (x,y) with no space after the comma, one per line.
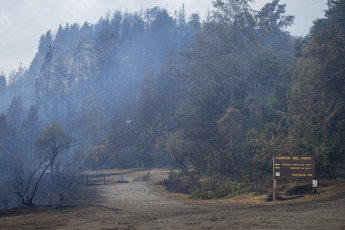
(137,206)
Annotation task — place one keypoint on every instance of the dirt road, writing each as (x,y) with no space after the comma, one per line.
(138,205)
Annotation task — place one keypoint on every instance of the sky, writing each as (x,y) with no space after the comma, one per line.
(22,22)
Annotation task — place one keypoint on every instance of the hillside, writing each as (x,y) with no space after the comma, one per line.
(214,98)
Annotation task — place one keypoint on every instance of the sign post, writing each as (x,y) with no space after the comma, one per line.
(293,167)
(274,189)
(274,184)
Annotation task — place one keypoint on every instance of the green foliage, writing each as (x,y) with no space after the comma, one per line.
(15,113)
(186,151)
(2,82)
(99,156)
(2,91)
(4,136)
(221,72)
(334,15)
(52,142)
(232,100)
(316,98)
(272,17)
(336,12)
(215,188)
(179,183)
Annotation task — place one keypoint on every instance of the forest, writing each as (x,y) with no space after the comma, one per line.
(219,96)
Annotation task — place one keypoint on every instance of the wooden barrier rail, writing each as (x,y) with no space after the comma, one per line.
(104,175)
(89,176)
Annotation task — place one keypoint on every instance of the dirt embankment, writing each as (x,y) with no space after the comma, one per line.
(141,204)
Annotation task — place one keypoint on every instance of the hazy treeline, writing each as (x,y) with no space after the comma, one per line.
(91,80)
(221,95)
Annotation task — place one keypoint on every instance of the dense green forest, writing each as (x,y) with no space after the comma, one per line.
(219,96)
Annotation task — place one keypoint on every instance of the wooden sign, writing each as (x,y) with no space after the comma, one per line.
(294,167)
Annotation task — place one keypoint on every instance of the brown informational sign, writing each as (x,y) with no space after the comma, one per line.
(294,167)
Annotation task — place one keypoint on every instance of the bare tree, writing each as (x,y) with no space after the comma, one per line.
(49,145)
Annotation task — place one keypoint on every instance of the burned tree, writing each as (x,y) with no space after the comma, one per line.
(49,145)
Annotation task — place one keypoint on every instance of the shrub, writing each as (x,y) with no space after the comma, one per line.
(217,188)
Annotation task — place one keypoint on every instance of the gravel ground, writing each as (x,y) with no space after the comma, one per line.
(138,205)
